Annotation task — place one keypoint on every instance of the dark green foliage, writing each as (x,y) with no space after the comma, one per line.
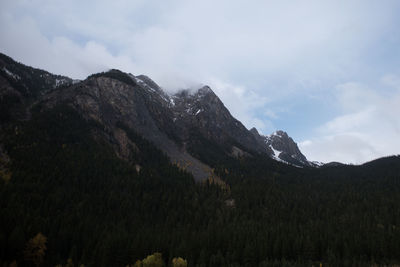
(117,75)
(7,102)
(98,210)
(79,194)
(207,150)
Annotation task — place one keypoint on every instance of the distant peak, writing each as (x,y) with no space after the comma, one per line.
(116,75)
(115,70)
(147,80)
(280,133)
(254,131)
(196,93)
(144,77)
(205,89)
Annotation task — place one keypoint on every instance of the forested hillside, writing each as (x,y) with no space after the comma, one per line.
(96,209)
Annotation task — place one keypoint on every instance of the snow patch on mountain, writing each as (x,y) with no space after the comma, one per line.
(172,101)
(61,82)
(276,152)
(318,163)
(143,84)
(9,73)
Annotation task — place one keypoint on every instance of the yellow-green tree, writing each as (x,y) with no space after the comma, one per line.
(70,263)
(154,260)
(179,262)
(35,249)
(138,263)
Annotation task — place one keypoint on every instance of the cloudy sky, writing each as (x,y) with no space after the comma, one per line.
(327,72)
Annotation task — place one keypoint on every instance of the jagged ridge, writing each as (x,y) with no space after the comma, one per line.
(193,128)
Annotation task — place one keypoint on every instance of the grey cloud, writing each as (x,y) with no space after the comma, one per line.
(264,51)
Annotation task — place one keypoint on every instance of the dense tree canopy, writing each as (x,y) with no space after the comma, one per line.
(98,210)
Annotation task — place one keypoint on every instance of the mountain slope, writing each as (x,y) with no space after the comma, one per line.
(21,85)
(193,128)
(283,148)
(120,100)
(90,166)
(201,112)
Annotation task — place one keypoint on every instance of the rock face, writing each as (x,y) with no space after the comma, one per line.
(144,109)
(286,149)
(202,111)
(188,126)
(27,81)
(21,85)
(283,148)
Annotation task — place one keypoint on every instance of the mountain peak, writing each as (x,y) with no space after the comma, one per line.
(281,133)
(205,90)
(285,149)
(196,92)
(190,126)
(254,131)
(143,79)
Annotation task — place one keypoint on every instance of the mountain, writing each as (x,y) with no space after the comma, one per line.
(21,85)
(284,149)
(111,169)
(193,127)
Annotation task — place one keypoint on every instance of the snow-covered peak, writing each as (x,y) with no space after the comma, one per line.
(280,134)
(282,148)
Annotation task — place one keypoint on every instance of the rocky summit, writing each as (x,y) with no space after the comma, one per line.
(190,126)
(284,149)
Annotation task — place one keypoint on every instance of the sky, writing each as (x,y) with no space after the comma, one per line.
(327,72)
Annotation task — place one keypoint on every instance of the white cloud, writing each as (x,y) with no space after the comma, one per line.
(368,129)
(300,41)
(271,114)
(392,80)
(61,55)
(347,148)
(23,41)
(243,104)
